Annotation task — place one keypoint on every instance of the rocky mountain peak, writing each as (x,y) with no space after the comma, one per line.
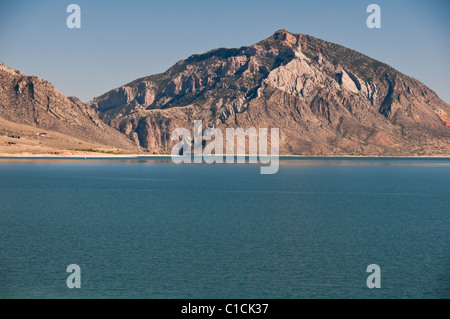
(6,69)
(325,98)
(286,37)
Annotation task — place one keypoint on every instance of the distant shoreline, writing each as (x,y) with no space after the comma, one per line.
(131,156)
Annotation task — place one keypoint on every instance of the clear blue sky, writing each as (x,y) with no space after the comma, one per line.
(120,41)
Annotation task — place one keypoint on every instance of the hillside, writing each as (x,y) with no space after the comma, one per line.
(326,99)
(34,109)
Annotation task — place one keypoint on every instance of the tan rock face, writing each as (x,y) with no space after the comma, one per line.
(37,103)
(10,71)
(326,100)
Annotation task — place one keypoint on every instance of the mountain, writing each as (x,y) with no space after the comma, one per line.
(36,118)
(325,99)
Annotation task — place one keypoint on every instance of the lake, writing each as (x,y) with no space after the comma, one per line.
(149,228)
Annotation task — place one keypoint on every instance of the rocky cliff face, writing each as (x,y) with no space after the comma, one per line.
(35,102)
(324,98)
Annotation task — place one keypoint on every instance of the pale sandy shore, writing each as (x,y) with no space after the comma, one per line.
(75,155)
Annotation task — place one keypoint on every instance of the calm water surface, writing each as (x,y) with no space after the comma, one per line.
(153,229)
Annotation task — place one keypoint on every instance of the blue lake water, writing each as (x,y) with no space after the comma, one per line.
(154,229)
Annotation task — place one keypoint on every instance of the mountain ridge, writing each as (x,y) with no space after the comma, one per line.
(36,103)
(325,98)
